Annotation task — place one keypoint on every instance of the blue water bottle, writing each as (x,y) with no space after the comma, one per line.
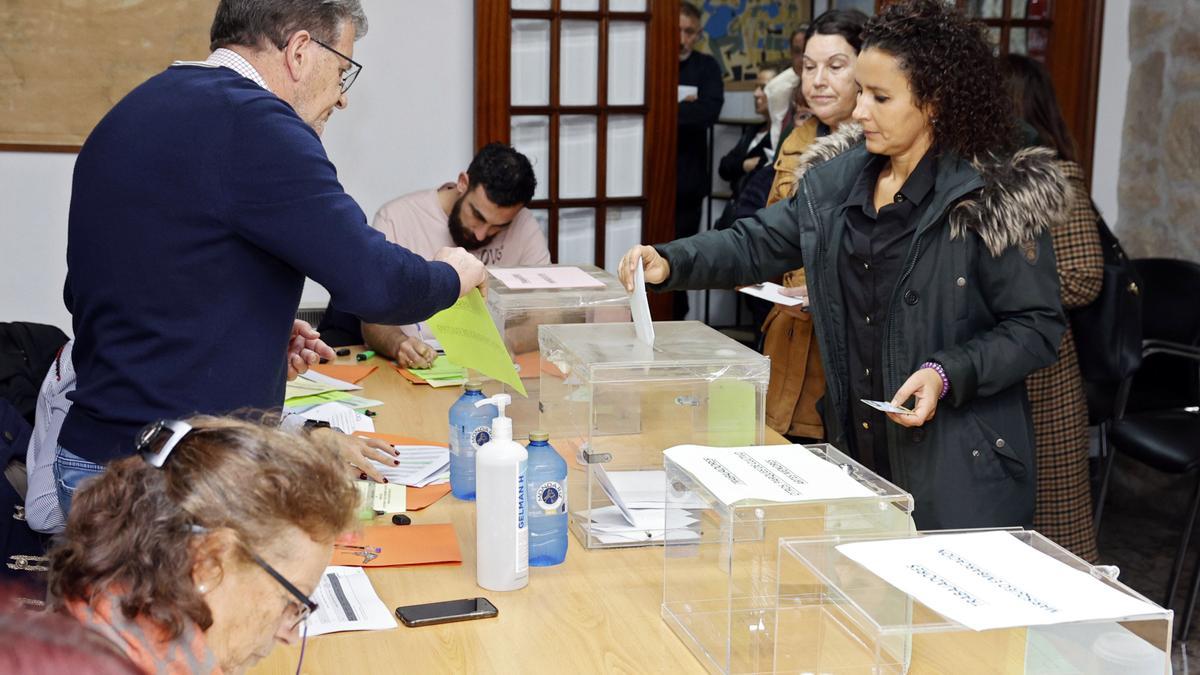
(546,502)
(470,427)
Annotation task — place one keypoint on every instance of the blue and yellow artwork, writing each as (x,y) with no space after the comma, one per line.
(743,35)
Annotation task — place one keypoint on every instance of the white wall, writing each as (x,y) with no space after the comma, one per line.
(1110,109)
(409,126)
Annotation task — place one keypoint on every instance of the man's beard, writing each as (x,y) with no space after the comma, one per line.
(459,233)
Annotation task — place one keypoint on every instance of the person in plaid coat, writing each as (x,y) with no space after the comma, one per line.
(1063,509)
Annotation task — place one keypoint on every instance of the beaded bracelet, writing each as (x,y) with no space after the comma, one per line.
(942,374)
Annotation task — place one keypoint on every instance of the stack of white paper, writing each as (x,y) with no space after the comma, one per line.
(420,465)
(341,417)
(640,510)
(346,601)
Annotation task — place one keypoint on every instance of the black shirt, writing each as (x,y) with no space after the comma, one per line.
(695,118)
(874,248)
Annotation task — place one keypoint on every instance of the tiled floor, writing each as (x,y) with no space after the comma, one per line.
(1142,539)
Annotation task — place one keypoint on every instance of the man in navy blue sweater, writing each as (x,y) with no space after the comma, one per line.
(199,205)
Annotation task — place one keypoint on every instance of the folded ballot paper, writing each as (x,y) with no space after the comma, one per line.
(640,511)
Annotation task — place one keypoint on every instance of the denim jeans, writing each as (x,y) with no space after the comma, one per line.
(69,472)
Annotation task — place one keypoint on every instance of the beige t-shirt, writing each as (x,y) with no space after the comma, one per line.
(417,222)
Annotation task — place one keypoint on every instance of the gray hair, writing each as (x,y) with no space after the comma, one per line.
(250,23)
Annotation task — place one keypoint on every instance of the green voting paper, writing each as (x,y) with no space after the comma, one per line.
(732,413)
(442,369)
(469,337)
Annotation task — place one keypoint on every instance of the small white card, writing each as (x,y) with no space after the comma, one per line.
(887,407)
(686,90)
(771,292)
(643,324)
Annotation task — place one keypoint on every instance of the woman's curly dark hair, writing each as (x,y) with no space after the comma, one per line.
(951,68)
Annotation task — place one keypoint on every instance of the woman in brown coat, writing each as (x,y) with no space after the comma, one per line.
(829,90)
(1063,511)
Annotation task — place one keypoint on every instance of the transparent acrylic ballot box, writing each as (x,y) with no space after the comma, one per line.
(518,313)
(720,580)
(611,405)
(835,616)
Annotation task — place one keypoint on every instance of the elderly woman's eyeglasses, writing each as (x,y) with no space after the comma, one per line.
(301,606)
(350,73)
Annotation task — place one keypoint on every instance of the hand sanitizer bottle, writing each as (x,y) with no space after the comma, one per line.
(546,502)
(501,521)
(470,428)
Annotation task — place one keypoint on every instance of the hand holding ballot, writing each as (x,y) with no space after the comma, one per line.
(926,385)
(471,272)
(413,352)
(656,267)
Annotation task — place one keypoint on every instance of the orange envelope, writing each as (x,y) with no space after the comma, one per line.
(400,545)
(353,374)
(415,498)
(407,375)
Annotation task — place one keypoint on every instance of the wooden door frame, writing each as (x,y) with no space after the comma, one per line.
(493,43)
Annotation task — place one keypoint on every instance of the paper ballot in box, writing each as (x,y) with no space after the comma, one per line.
(612,403)
(988,602)
(520,299)
(720,585)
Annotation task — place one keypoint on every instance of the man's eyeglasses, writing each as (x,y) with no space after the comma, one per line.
(349,74)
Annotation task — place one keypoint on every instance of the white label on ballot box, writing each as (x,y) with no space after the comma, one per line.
(774,473)
(545,277)
(987,580)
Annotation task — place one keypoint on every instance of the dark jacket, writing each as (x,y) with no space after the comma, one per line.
(695,119)
(199,205)
(978,294)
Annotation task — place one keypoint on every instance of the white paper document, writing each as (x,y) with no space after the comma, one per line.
(987,580)
(330,383)
(643,324)
(640,497)
(383,498)
(545,277)
(610,526)
(686,90)
(770,291)
(776,473)
(341,417)
(347,601)
(420,465)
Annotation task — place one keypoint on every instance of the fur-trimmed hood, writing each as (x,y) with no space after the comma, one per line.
(1023,194)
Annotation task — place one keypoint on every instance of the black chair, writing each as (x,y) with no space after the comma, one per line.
(1154,415)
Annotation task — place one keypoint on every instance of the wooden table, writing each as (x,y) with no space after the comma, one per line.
(596,613)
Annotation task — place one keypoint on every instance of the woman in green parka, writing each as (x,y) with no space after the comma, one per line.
(925,237)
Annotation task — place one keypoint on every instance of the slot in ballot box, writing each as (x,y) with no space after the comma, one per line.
(612,404)
(721,570)
(835,615)
(519,311)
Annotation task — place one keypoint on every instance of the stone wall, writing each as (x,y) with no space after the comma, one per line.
(1159,190)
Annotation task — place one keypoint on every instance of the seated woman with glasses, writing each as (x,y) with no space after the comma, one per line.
(199,554)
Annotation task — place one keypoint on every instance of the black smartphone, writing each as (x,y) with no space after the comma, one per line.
(446,612)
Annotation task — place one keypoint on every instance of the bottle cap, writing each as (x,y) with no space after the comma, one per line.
(473,385)
(539,436)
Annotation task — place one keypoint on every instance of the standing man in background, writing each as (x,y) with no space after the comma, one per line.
(698,111)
